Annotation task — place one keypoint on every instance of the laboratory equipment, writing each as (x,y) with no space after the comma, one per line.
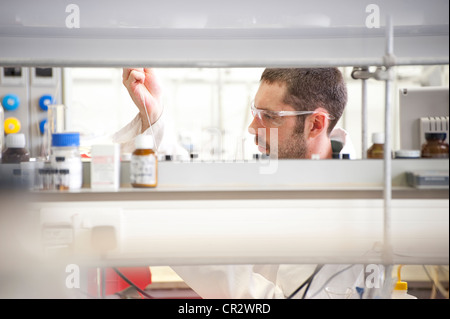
(428,104)
(63,180)
(65,154)
(407,154)
(27,92)
(15,149)
(2,130)
(427,178)
(45,179)
(105,166)
(401,288)
(56,118)
(144,163)
(377,149)
(435,146)
(54,123)
(12,125)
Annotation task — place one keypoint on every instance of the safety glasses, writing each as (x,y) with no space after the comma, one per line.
(275,118)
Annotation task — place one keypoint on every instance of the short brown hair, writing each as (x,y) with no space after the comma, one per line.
(310,88)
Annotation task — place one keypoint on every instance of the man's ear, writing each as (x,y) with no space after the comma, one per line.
(317,124)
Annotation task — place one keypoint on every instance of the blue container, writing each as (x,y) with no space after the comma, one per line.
(66,139)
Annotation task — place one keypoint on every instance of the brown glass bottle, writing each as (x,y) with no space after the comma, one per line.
(435,147)
(144,163)
(15,152)
(377,149)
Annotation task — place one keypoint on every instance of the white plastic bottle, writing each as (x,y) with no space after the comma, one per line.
(401,291)
(401,288)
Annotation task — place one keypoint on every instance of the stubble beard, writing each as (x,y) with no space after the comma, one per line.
(293,148)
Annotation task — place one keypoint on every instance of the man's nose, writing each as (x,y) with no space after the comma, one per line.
(253,127)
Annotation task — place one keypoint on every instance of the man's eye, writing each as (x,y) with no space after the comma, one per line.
(268,117)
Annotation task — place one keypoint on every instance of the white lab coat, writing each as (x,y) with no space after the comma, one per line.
(271,281)
(164,136)
(248,281)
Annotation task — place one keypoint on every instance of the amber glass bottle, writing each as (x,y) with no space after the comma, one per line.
(144,163)
(15,149)
(377,149)
(435,147)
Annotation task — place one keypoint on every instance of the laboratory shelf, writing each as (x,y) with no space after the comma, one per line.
(230,213)
(162,193)
(283,179)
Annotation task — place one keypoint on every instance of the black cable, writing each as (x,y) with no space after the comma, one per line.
(306,282)
(307,288)
(311,279)
(299,288)
(132,284)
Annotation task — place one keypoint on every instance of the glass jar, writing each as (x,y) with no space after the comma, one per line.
(65,154)
(377,149)
(435,146)
(46,179)
(15,152)
(144,163)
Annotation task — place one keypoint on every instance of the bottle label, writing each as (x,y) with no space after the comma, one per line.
(143,170)
(104,171)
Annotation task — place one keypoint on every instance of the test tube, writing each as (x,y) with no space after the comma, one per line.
(63,179)
(47,178)
(40,179)
(37,175)
(54,178)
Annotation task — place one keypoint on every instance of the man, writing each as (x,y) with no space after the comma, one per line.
(303,105)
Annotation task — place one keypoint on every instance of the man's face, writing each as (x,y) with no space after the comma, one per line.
(291,143)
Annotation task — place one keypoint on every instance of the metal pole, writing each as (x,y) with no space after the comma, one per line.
(364,119)
(388,253)
(387,143)
(99,283)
